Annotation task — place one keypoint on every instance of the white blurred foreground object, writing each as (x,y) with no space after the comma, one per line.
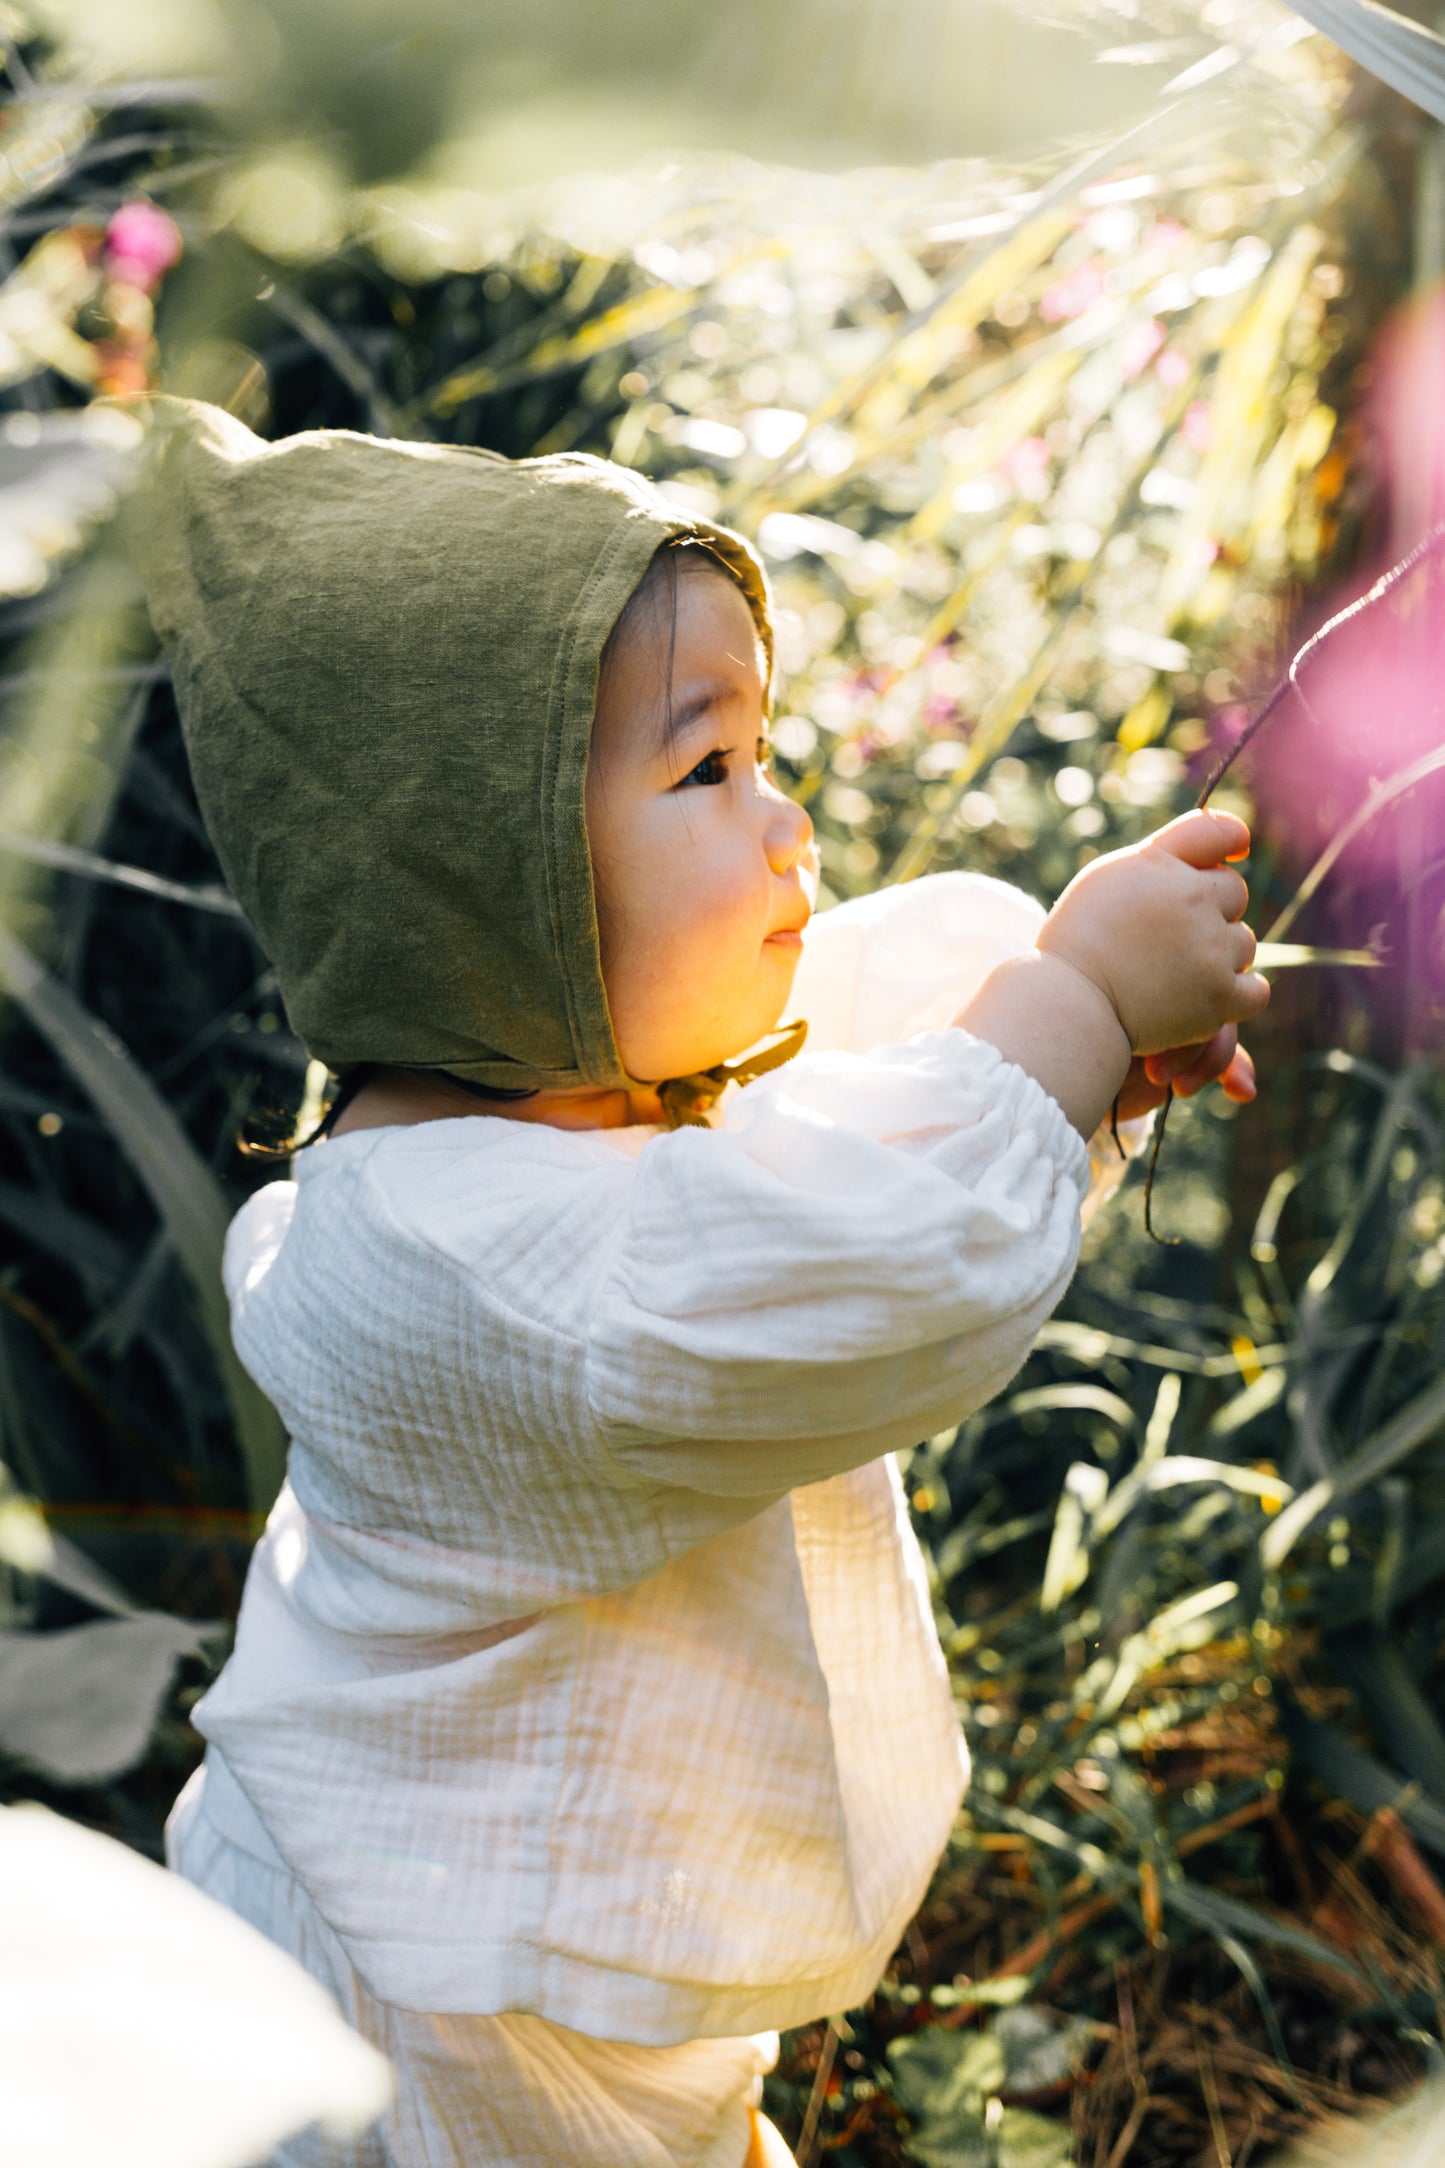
(1409,2135)
(143,2026)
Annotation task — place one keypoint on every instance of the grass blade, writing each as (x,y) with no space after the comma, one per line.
(182,1188)
(1418,1420)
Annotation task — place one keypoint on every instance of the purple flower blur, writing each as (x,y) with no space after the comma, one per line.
(142,243)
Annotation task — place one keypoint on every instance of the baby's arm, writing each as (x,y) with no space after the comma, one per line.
(863,1252)
(866,1248)
(1144,952)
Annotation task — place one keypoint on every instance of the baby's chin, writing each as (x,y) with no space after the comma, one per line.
(730,1045)
(758,1009)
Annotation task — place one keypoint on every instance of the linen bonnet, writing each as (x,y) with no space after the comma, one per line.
(385,657)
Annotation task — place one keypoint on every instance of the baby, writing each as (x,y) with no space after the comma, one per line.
(587,1722)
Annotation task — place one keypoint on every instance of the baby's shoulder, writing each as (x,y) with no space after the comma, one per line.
(476,1194)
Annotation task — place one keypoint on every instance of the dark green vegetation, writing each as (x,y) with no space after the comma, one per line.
(1040,488)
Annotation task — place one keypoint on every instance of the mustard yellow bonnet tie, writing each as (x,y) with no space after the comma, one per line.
(686,1100)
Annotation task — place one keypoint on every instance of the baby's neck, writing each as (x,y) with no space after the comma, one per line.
(395,1098)
(581,1109)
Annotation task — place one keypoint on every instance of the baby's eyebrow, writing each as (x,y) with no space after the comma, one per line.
(686,712)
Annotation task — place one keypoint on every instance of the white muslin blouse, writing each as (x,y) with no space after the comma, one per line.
(587,1666)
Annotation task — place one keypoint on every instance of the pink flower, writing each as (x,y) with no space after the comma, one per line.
(142,243)
(1171,368)
(1026,463)
(1139,345)
(1076,291)
(1196,430)
(1165,233)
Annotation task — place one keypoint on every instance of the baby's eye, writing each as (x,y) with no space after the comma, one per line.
(710,770)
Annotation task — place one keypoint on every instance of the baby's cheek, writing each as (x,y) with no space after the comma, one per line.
(713,896)
(711,936)
(739,909)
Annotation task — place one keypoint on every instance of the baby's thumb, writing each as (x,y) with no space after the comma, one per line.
(1204,839)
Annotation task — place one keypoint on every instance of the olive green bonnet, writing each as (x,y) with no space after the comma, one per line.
(385,657)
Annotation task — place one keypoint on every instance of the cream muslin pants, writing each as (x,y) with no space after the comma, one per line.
(487,2092)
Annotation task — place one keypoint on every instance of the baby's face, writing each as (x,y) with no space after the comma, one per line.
(705,872)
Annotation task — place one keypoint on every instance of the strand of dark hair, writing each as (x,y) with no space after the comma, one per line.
(352,1082)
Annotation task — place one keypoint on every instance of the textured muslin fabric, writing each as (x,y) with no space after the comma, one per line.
(488,2092)
(385,658)
(587,1668)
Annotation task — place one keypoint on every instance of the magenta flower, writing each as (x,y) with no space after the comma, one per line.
(1139,345)
(142,243)
(1077,290)
(1026,463)
(1197,430)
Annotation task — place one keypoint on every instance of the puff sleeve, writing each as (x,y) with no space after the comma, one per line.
(863,1249)
(903,960)
(861,1255)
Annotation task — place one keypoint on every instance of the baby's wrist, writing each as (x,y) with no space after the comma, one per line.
(1076,984)
(1054,942)
(1054,1021)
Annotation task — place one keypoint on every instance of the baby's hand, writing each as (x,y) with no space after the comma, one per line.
(1156,929)
(1221,1060)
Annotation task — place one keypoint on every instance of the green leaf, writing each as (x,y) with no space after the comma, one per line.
(1416,1422)
(1040,2051)
(1222,1916)
(81,1703)
(947,2083)
(1026,2140)
(1080,1502)
(1398,1711)
(1289,955)
(26,1545)
(1178,1469)
(938,2075)
(1001,1993)
(1094,1399)
(181,1186)
(1357,1776)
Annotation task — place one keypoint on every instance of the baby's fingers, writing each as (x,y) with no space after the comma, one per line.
(1221,1060)
(1229,890)
(1251,997)
(1203,839)
(1190,1068)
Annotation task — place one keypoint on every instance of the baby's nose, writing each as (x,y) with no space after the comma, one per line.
(789,833)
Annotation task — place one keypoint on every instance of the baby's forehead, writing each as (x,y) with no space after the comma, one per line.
(691,644)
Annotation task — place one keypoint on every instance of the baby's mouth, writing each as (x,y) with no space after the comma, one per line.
(790,936)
